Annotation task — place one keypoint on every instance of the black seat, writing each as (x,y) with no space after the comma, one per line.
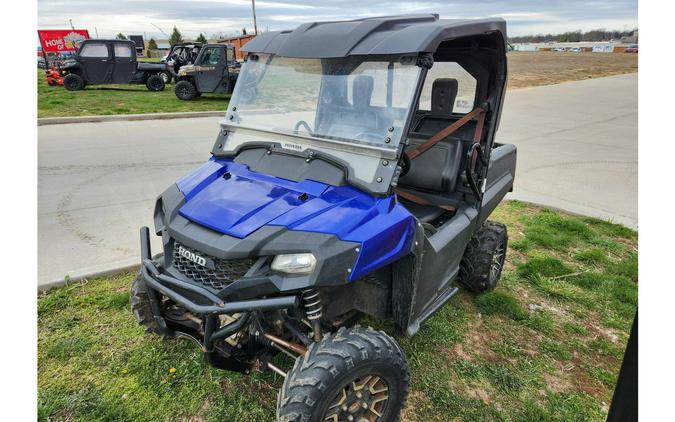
(436,171)
(424,213)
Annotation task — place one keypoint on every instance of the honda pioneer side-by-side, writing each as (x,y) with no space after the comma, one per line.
(353,175)
(100,62)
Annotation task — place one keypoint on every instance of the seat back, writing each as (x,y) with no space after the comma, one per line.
(362,92)
(436,170)
(360,117)
(443,95)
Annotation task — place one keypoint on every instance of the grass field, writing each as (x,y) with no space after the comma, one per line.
(56,101)
(546,345)
(525,70)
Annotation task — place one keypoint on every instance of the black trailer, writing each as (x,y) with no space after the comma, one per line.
(100,62)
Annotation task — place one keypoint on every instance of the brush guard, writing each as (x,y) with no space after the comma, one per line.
(156,282)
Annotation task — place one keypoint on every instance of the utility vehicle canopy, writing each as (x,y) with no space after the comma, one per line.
(353,92)
(383,35)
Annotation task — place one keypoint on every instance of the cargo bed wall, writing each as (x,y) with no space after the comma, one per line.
(501,174)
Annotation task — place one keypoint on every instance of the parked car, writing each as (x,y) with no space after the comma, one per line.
(559,50)
(332,193)
(574,50)
(100,62)
(633,48)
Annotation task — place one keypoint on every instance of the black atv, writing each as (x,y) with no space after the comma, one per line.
(100,62)
(214,70)
(353,175)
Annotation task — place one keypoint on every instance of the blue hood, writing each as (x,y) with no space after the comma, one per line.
(229,198)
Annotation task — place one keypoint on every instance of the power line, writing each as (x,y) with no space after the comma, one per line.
(161,30)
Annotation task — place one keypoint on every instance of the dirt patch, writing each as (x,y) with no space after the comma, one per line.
(476,344)
(416,400)
(545,68)
(557,382)
(479,393)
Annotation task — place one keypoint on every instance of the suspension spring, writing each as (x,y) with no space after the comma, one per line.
(311,301)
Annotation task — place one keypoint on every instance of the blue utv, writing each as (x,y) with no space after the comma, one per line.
(353,175)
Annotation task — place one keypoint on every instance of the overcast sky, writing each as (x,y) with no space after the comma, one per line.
(226,17)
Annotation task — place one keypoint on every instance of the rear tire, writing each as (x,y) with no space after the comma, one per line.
(483,259)
(73,82)
(155,83)
(140,305)
(185,90)
(343,372)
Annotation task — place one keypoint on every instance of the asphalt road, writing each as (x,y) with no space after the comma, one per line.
(97,182)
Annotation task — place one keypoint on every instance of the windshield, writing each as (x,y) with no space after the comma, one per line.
(361,101)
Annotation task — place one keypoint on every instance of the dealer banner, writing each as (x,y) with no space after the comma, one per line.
(60,40)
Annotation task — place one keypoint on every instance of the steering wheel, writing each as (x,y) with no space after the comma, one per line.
(303,124)
(405,165)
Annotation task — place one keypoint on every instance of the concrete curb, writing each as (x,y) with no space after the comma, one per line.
(127,117)
(43,288)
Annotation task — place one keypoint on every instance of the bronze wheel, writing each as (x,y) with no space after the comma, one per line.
(362,400)
(356,374)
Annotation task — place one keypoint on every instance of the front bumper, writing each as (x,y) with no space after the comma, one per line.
(201,301)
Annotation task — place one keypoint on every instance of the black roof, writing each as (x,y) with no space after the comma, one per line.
(383,35)
(106,40)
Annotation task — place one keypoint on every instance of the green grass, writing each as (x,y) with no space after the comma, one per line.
(56,101)
(546,345)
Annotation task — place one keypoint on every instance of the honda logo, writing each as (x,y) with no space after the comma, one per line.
(197,259)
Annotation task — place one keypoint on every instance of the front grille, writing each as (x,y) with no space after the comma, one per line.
(224,271)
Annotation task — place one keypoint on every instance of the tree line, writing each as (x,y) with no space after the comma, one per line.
(174,38)
(574,36)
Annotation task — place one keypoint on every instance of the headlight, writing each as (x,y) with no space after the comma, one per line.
(300,263)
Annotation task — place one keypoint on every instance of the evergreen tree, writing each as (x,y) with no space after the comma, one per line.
(201,38)
(152,44)
(121,36)
(175,37)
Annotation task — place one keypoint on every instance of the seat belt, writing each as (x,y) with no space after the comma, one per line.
(425,146)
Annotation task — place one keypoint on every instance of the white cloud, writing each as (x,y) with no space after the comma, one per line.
(230,16)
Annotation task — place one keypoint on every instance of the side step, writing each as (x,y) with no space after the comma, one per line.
(437,304)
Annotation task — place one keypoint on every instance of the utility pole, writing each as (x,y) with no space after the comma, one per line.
(255,24)
(96,30)
(71,24)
